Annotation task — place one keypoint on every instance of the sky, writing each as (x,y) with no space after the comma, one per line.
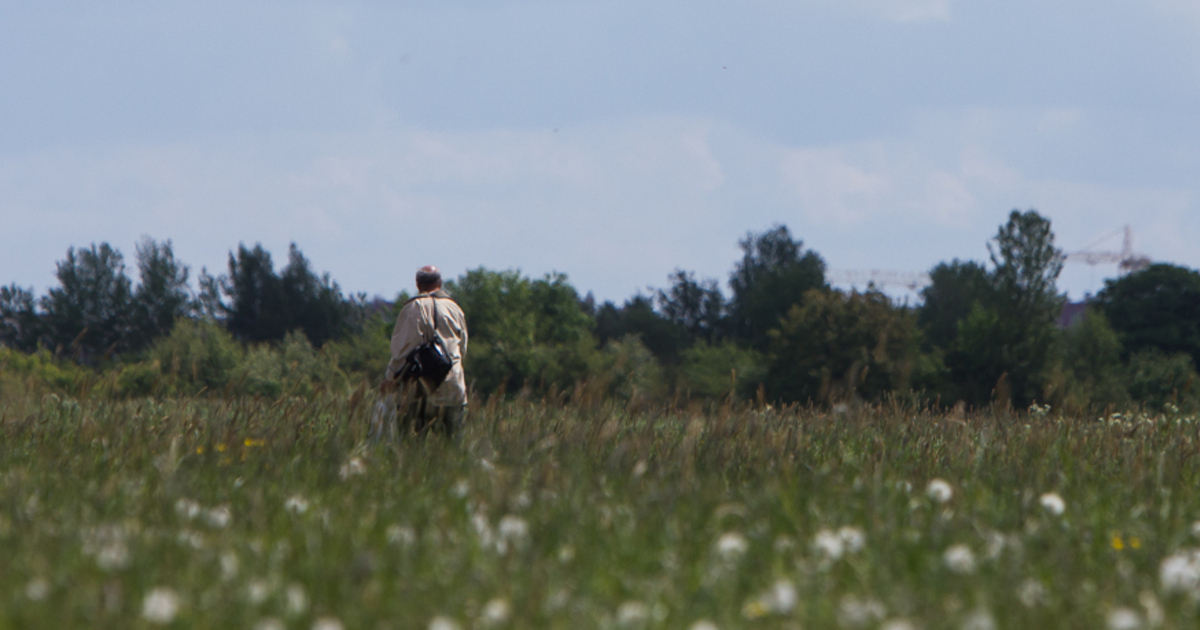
(610,140)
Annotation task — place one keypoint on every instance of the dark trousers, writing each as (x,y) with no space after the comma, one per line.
(417,417)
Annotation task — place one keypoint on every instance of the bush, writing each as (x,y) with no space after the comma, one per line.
(196,356)
(1156,379)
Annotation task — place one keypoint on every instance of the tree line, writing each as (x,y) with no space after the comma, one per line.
(983,332)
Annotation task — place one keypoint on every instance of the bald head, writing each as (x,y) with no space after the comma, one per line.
(428,279)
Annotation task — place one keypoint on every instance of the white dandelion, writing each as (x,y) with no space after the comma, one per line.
(732,546)
(703,624)
(327,623)
(512,531)
(402,535)
(352,468)
(1053,504)
(632,614)
(442,623)
(939,490)
(296,504)
(229,565)
(897,624)
(1123,619)
(829,544)
(496,612)
(980,619)
(188,509)
(1032,593)
(853,612)
(218,517)
(1180,572)
(297,601)
(37,589)
(852,538)
(160,606)
(960,559)
(269,623)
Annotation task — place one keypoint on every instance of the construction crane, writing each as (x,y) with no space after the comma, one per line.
(1126,260)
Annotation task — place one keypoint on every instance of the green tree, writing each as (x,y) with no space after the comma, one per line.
(954,289)
(1090,374)
(523,333)
(1157,308)
(775,273)
(839,346)
(162,295)
(664,338)
(20,323)
(315,304)
(87,315)
(697,306)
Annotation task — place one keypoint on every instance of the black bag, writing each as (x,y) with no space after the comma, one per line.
(429,361)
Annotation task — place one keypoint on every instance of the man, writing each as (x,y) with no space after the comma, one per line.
(422,405)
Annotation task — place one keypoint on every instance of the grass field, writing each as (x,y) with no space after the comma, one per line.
(262,514)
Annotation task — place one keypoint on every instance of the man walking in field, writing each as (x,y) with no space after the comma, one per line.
(426,402)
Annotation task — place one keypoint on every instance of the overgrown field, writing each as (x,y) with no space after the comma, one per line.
(251,513)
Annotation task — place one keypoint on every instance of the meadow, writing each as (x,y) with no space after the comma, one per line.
(257,513)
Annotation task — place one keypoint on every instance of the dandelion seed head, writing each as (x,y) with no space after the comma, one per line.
(327,623)
(229,565)
(257,591)
(1053,504)
(853,612)
(442,623)
(703,624)
(218,517)
(980,619)
(829,544)
(632,614)
(1123,619)
(1180,572)
(352,468)
(939,490)
(37,589)
(496,612)
(1031,593)
(960,559)
(732,546)
(853,539)
(461,488)
(402,535)
(160,606)
(897,624)
(297,601)
(188,509)
(296,504)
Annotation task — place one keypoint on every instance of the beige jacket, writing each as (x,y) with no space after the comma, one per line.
(413,328)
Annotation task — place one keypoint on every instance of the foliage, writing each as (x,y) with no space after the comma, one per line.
(663,337)
(775,273)
(722,370)
(1090,374)
(523,332)
(838,346)
(260,305)
(162,295)
(696,306)
(1158,380)
(87,315)
(1157,308)
(198,355)
(954,289)
(20,325)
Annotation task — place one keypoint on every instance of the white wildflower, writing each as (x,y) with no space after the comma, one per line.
(296,504)
(189,538)
(703,624)
(1154,610)
(218,517)
(187,509)
(112,556)
(1053,503)
(1180,572)
(632,613)
(495,612)
(1032,593)
(783,597)
(297,601)
(1123,619)
(1196,529)
(269,623)
(980,619)
(352,468)
(939,490)
(960,559)
(853,612)
(461,488)
(229,565)
(829,544)
(160,606)
(402,535)
(512,531)
(442,623)
(853,539)
(566,553)
(732,546)
(257,591)
(897,624)
(37,589)
(327,623)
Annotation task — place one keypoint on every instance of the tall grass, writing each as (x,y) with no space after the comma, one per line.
(549,515)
